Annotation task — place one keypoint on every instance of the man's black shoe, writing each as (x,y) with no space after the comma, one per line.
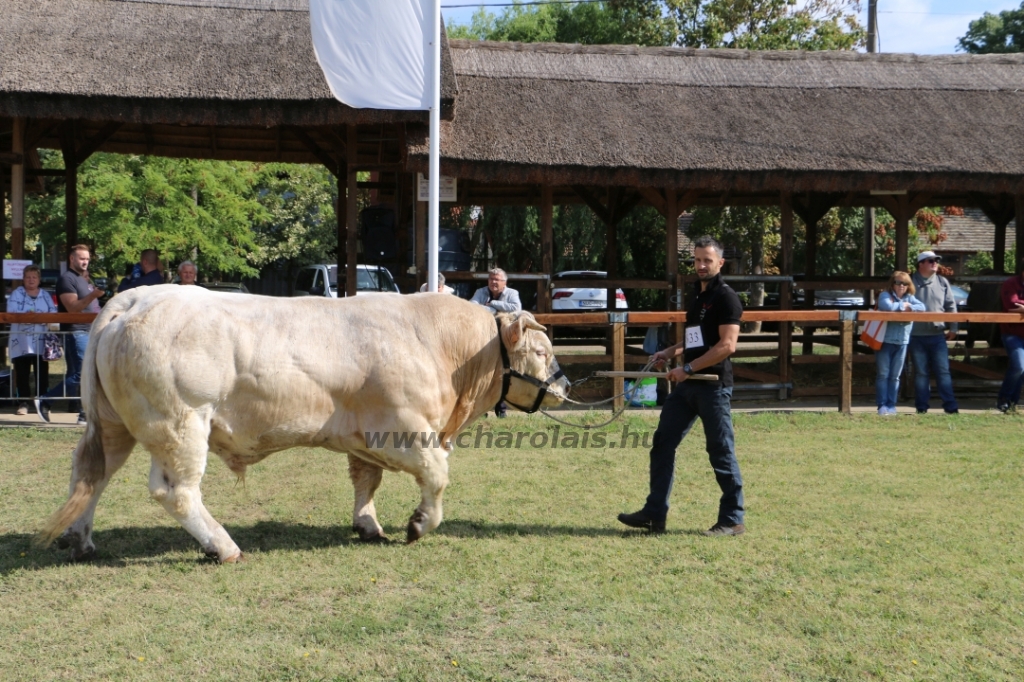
(641,520)
(952,411)
(920,411)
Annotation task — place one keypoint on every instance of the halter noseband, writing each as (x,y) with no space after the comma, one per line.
(508,374)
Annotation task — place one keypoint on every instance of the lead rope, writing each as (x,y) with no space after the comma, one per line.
(627,394)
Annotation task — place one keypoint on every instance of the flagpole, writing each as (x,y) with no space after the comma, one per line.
(435,148)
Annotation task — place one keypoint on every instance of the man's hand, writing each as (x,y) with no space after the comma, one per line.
(677,374)
(951,336)
(660,358)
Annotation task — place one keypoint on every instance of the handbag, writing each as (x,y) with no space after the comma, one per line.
(52,348)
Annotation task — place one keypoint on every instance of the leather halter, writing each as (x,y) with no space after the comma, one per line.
(508,374)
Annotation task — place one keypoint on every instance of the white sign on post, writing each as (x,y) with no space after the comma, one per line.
(13,269)
(448,191)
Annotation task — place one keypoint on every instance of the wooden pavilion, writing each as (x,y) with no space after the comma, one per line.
(612,127)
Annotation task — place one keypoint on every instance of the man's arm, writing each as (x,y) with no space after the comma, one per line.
(949,306)
(73,304)
(511,305)
(728,334)
(479,296)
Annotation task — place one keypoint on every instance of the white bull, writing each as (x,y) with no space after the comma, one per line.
(184,371)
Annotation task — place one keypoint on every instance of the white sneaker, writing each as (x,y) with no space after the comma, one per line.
(22,410)
(81,420)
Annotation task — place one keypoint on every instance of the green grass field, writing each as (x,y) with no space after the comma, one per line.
(883,549)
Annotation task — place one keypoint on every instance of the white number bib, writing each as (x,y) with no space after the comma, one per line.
(694,338)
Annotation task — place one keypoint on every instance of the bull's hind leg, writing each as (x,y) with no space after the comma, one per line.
(365,480)
(432,477)
(117,445)
(174,479)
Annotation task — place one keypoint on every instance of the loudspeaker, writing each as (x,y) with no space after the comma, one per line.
(378,231)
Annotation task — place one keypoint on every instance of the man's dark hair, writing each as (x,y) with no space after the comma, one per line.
(709,242)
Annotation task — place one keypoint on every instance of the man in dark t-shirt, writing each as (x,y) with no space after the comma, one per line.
(75,294)
(712,330)
(149,272)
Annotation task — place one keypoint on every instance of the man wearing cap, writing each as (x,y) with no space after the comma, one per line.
(928,339)
(1011,294)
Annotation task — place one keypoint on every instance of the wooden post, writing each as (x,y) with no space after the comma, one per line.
(18,190)
(547,247)
(618,362)
(810,269)
(1019,229)
(351,212)
(611,258)
(999,249)
(786,293)
(902,232)
(671,243)
(846,365)
(68,144)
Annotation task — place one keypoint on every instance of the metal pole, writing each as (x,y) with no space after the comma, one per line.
(435,149)
(872,26)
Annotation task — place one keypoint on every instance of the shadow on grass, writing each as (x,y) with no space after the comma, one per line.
(459,528)
(167,544)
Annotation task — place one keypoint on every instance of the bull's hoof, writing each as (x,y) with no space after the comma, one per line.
(375,538)
(213,555)
(67,539)
(234,559)
(80,555)
(415,530)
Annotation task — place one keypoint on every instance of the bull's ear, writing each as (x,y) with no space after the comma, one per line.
(532,323)
(512,333)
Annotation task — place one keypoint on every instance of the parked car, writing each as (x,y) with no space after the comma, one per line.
(960,296)
(586,298)
(225,287)
(832,298)
(322,280)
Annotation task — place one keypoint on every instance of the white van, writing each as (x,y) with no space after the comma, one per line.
(322,280)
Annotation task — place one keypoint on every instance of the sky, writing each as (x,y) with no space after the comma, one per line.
(918,26)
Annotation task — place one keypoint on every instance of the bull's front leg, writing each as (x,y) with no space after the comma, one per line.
(366,479)
(432,478)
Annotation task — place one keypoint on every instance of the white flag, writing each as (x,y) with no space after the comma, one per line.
(375,54)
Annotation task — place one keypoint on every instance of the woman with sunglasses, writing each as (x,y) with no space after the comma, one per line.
(897,297)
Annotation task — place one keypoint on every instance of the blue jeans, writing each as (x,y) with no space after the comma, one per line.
(74,354)
(889,363)
(710,402)
(1009,392)
(930,354)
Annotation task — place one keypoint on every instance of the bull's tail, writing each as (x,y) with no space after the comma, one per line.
(90,462)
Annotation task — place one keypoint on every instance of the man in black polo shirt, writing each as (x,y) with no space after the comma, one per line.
(75,294)
(712,329)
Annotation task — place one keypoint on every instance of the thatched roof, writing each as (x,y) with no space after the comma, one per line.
(732,120)
(201,62)
(969,233)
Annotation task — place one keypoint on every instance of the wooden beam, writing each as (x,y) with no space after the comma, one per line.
(10,158)
(89,147)
(624,205)
(618,362)
(1019,228)
(846,368)
(656,199)
(595,204)
(316,150)
(671,244)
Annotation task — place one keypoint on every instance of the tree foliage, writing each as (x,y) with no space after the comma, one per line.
(749,24)
(995,33)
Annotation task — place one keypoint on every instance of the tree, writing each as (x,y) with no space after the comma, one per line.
(184,208)
(995,33)
(751,24)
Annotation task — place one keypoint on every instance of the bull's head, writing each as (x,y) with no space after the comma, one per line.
(533,377)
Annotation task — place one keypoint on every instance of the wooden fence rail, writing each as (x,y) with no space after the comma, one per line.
(845,320)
